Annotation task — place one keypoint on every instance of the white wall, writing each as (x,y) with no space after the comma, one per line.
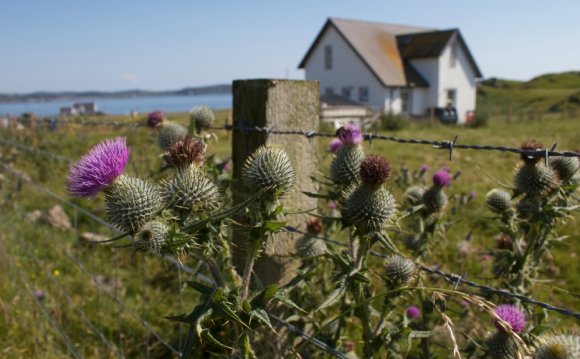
(429,69)
(347,70)
(419,101)
(460,77)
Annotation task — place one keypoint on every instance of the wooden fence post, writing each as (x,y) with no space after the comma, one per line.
(278,104)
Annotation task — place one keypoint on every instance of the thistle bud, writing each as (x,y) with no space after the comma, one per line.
(170,132)
(311,247)
(190,190)
(498,200)
(565,167)
(535,179)
(130,202)
(269,167)
(151,237)
(434,199)
(202,118)
(345,167)
(399,270)
(369,209)
(155,118)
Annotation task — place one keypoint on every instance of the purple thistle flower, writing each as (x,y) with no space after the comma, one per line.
(512,315)
(442,178)
(332,205)
(424,168)
(154,118)
(39,294)
(472,195)
(350,135)
(334,145)
(99,168)
(413,312)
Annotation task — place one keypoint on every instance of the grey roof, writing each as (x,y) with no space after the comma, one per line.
(379,47)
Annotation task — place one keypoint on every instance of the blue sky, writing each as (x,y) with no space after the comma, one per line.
(111,45)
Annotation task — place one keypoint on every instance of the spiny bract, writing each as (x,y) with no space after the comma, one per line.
(557,346)
(369,209)
(498,200)
(170,132)
(535,180)
(269,167)
(502,346)
(151,237)
(345,167)
(190,189)
(131,202)
(399,270)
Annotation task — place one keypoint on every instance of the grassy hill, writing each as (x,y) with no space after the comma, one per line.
(553,93)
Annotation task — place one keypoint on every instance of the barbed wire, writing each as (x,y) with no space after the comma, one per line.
(448,145)
(455,278)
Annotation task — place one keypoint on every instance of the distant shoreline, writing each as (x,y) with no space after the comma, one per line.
(39,97)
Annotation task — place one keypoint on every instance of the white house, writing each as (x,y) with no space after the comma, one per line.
(396,68)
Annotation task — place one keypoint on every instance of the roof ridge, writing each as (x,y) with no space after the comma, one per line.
(332,18)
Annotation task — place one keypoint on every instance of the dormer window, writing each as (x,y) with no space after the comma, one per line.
(328,57)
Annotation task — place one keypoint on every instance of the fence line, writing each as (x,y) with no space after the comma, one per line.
(444,145)
(35,150)
(455,278)
(450,276)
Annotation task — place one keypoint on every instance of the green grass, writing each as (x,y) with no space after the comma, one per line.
(36,255)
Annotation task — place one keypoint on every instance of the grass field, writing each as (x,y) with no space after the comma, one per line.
(80,310)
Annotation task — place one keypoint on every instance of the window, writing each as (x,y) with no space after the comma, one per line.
(347,91)
(363,93)
(328,57)
(405,96)
(329,91)
(451,97)
(453,56)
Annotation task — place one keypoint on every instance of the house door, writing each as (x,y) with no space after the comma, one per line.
(405,101)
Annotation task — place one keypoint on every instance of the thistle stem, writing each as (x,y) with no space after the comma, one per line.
(247,276)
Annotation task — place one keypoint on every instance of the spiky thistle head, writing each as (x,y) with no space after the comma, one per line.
(190,190)
(565,167)
(535,180)
(185,151)
(155,118)
(512,315)
(399,270)
(99,168)
(531,146)
(502,346)
(334,145)
(369,209)
(442,178)
(557,346)
(151,237)
(169,132)
(498,200)
(345,167)
(414,195)
(269,167)
(375,170)
(350,135)
(202,118)
(131,202)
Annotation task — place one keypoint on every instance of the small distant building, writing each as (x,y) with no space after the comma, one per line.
(79,109)
(399,69)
